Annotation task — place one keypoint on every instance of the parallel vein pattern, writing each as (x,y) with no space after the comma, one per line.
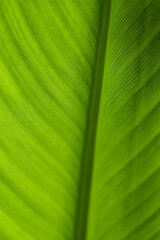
(126,182)
(47,51)
(79,120)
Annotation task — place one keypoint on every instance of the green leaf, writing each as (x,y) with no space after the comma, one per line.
(79,120)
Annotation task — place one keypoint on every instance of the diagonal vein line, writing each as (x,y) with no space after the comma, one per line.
(91,126)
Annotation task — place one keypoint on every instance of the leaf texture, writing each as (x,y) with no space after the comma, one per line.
(79,120)
(125,190)
(46,61)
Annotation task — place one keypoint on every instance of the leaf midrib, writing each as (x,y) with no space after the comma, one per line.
(91,126)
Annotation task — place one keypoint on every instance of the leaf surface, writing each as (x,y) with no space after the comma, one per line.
(79,120)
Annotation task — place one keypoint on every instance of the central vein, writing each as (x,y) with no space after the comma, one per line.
(91,129)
